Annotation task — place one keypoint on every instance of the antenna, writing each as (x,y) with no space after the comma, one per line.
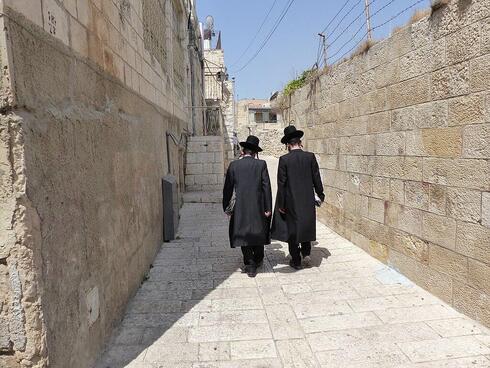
(208,32)
(210,22)
(368,20)
(324,43)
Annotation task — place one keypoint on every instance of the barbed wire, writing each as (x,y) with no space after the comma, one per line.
(346,14)
(344,29)
(320,55)
(379,26)
(335,16)
(361,27)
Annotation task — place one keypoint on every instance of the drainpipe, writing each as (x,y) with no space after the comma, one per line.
(190,47)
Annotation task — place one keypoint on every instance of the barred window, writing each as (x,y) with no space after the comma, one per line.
(154,30)
(178,40)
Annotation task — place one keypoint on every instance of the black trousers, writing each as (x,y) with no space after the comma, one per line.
(253,254)
(296,251)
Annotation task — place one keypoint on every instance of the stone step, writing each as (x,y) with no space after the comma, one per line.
(203,197)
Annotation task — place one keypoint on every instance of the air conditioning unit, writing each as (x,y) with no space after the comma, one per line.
(170,207)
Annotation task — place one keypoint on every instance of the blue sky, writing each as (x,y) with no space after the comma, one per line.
(293,47)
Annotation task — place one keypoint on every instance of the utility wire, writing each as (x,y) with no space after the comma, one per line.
(361,27)
(278,22)
(345,15)
(381,25)
(335,16)
(318,50)
(342,32)
(256,34)
(320,55)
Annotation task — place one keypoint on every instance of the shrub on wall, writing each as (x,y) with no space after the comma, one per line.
(298,82)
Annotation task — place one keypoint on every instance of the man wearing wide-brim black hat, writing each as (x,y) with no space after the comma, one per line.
(247,199)
(298,178)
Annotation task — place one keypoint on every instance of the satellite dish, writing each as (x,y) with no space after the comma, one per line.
(209,22)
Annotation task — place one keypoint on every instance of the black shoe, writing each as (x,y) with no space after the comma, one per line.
(259,263)
(307,261)
(251,270)
(295,266)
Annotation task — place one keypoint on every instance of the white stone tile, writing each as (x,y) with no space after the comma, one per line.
(455,327)
(232,317)
(230,293)
(390,301)
(446,348)
(176,352)
(319,310)
(236,304)
(484,339)
(333,340)
(296,354)
(473,362)
(326,296)
(283,322)
(366,355)
(235,332)
(417,313)
(296,288)
(252,363)
(214,351)
(155,335)
(339,322)
(272,295)
(347,317)
(253,349)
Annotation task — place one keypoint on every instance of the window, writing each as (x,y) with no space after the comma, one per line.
(258,117)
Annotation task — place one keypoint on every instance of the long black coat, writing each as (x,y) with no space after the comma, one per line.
(298,176)
(250,180)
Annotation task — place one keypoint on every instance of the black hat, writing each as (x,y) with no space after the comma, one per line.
(291,132)
(252,143)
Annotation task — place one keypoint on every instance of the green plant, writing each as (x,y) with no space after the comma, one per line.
(438,4)
(298,82)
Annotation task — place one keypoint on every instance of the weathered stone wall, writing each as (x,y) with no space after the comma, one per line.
(221,94)
(86,108)
(402,134)
(205,167)
(269,134)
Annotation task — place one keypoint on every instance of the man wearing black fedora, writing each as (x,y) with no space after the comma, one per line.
(298,178)
(247,199)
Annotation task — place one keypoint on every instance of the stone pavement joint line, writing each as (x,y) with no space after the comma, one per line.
(197,310)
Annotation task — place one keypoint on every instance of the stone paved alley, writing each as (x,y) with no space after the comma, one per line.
(197,310)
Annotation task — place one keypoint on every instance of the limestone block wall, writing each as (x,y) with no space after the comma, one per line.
(89,91)
(205,164)
(270,138)
(402,134)
(270,134)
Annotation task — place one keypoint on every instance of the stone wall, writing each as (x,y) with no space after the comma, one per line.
(402,134)
(221,94)
(205,164)
(86,111)
(270,134)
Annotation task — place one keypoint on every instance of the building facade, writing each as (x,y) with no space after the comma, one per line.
(257,117)
(96,106)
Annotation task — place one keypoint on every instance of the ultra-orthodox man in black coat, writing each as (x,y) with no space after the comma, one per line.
(298,177)
(249,178)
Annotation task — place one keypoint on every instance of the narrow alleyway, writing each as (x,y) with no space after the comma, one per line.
(197,310)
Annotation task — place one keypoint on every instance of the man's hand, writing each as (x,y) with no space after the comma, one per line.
(282,210)
(268,214)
